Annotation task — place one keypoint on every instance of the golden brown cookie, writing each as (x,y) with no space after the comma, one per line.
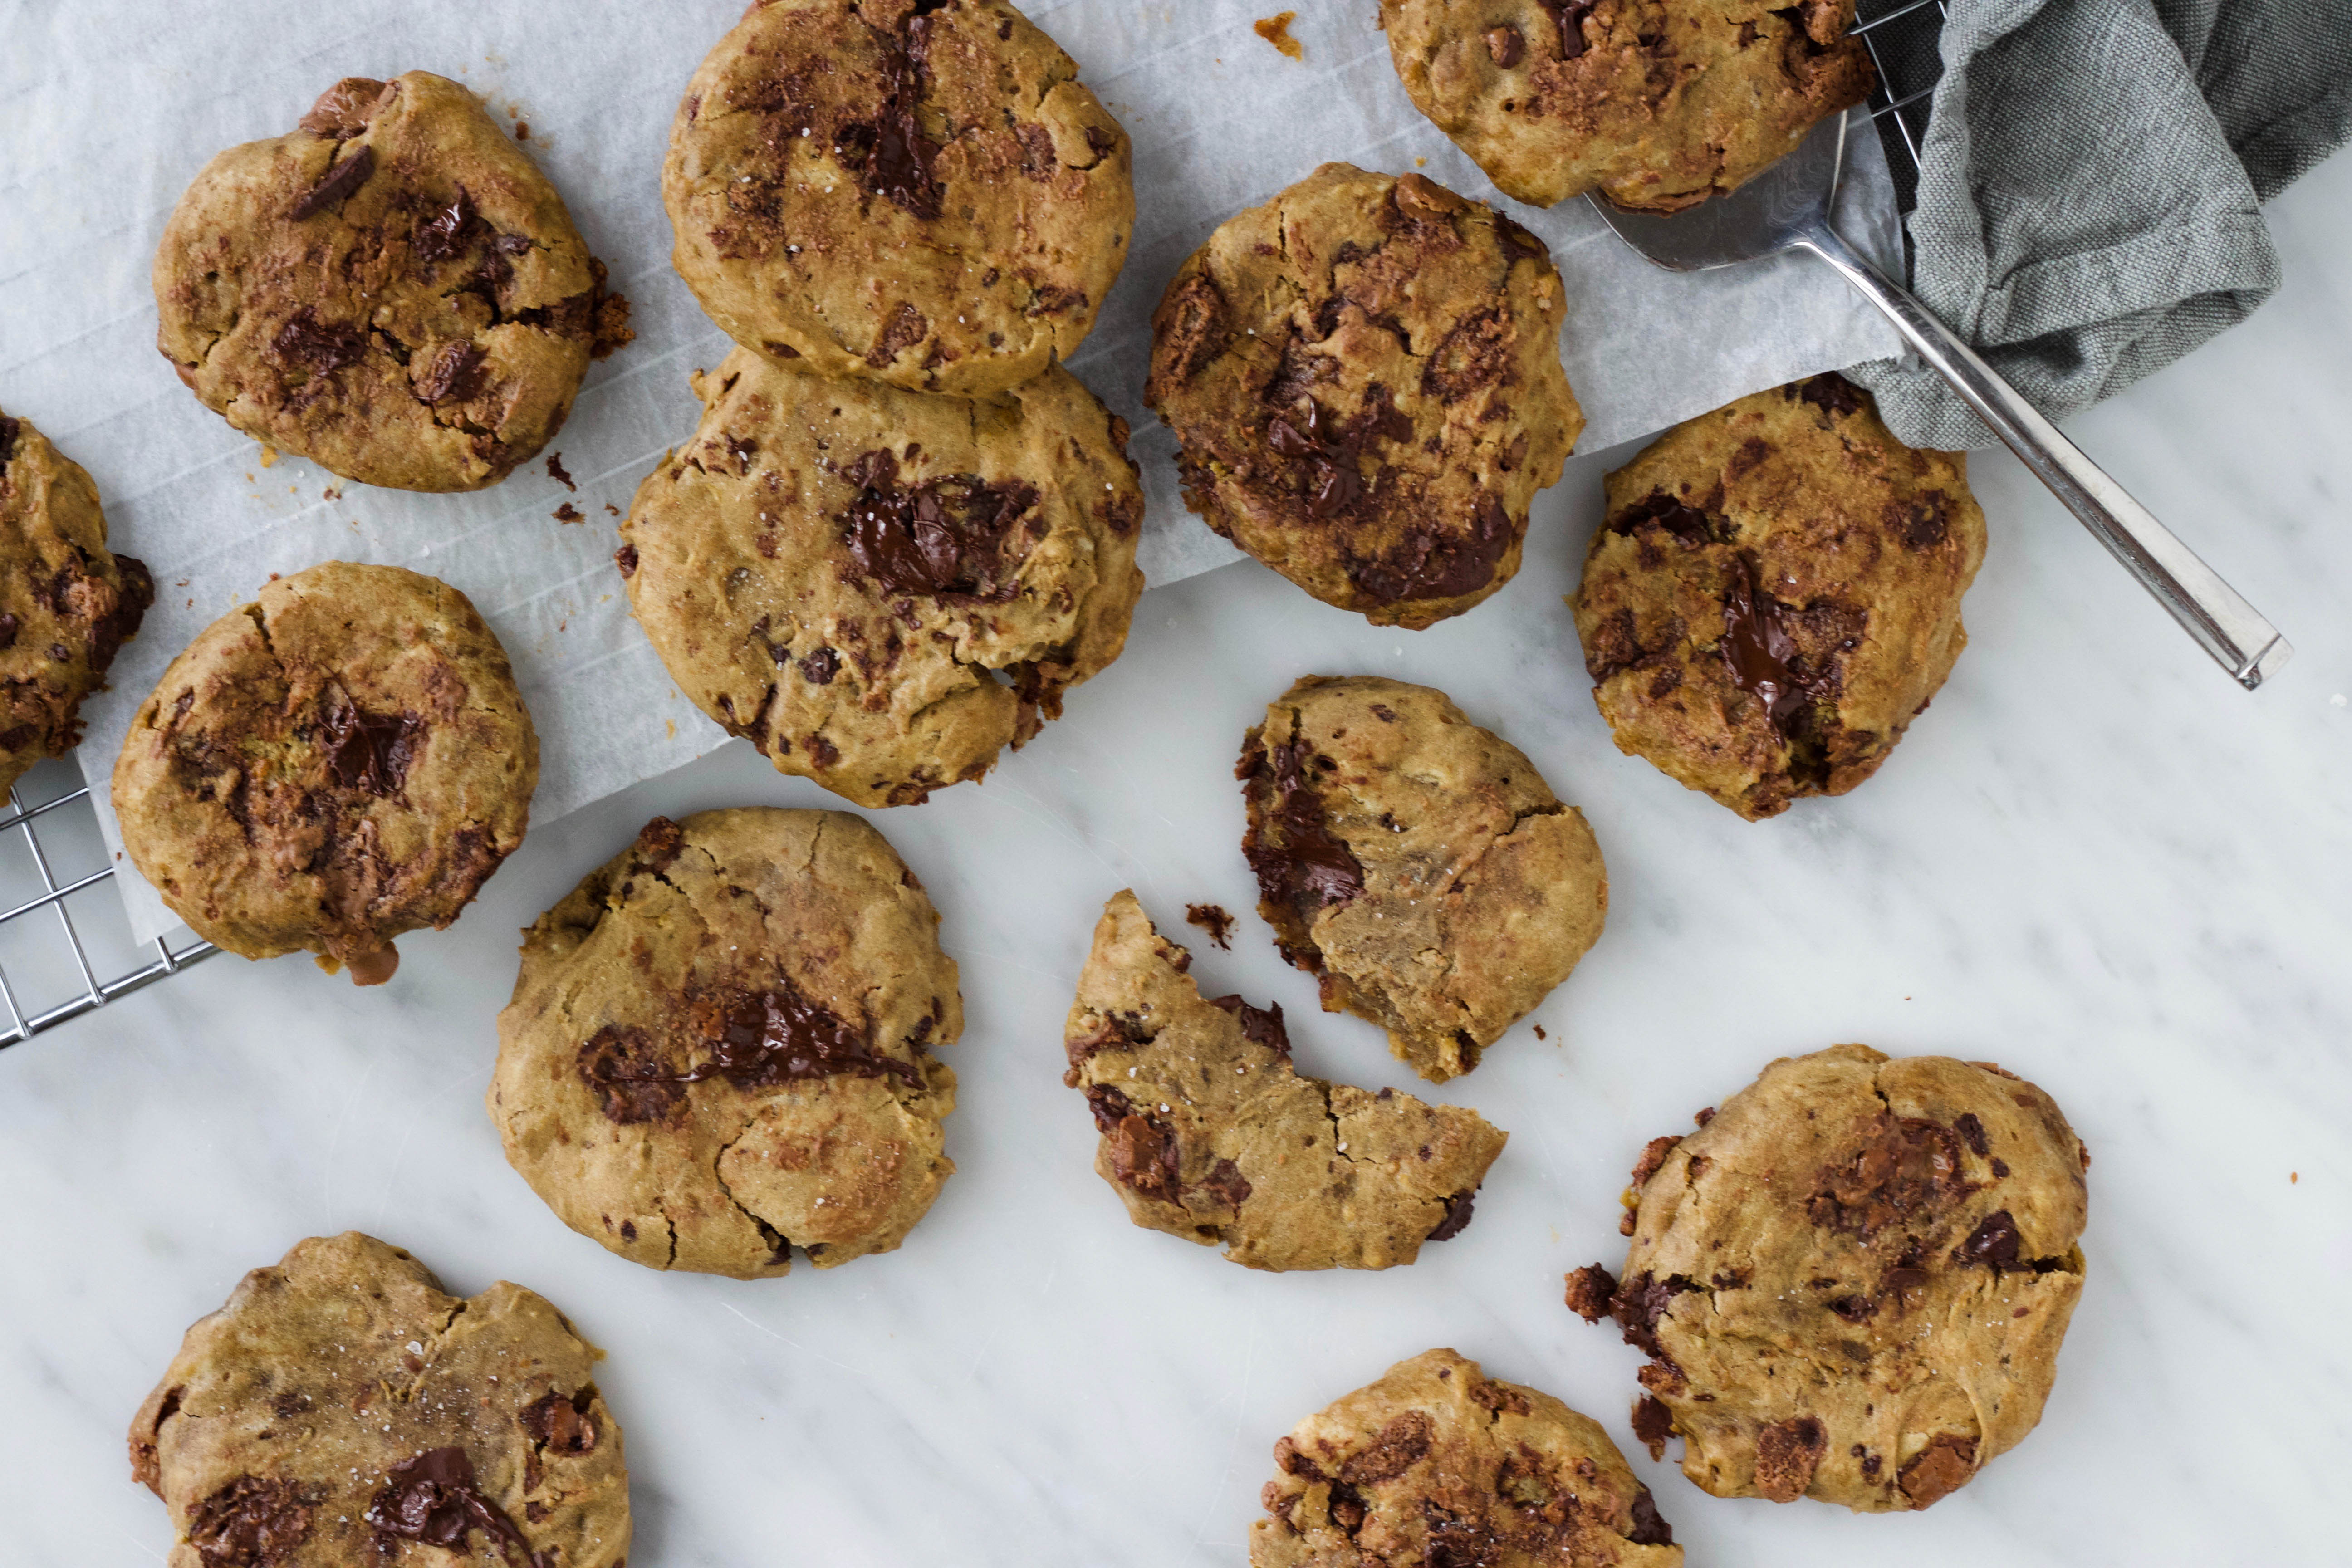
(1655,104)
(719,1047)
(882,589)
(917,191)
(1417,864)
(1775,595)
(344,760)
(1364,378)
(1438,1464)
(344,1409)
(393,290)
(1851,1280)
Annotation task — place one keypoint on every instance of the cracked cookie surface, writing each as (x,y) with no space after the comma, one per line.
(393,290)
(1437,1464)
(343,760)
(882,589)
(1775,593)
(1209,1133)
(719,1047)
(1655,104)
(342,1405)
(1363,376)
(917,191)
(1417,864)
(1851,1280)
(67,602)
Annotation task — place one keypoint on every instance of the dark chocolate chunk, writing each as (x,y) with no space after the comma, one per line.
(455,372)
(1972,1133)
(319,346)
(621,1067)
(1506,46)
(119,624)
(1227,1185)
(818,669)
(625,558)
(369,752)
(1787,1454)
(1760,649)
(1939,1469)
(1111,1106)
(8,429)
(335,184)
(658,845)
(1652,1423)
(1831,392)
(561,1424)
(1993,1243)
(1262,1024)
(1433,563)
(1659,509)
(1568,15)
(450,231)
(434,1498)
(251,1523)
(955,536)
(1143,1155)
(1649,1529)
(758,1040)
(890,154)
(343,110)
(1457,1217)
(1300,864)
(9,624)
(1909,1167)
(1395,1449)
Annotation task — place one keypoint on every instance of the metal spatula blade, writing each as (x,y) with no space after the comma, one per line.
(1787,208)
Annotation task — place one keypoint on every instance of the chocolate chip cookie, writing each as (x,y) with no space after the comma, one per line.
(917,191)
(393,290)
(1417,864)
(67,603)
(1209,1133)
(1364,377)
(882,589)
(1656,104)
(341,761)
(719,1047)
(1775,595)
(1851,1280)
(1437,1464)
(342,1405)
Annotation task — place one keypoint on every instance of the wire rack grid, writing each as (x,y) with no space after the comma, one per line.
(1902,37)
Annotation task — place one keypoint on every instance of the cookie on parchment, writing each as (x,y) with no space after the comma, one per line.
(1209,1133)
(344,760)
(1437,1464)
(1417,864)
(393,290)
(917,191)
(882,589)
(343,1408)
(1364,378)
(1853,1280)
(1775,595)
(719,1047)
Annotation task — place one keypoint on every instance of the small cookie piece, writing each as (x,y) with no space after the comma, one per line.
(343,1405)
(1209,1134)
(344,760)
(719,1047)
(1852,1280)
(881,589)
(1364,377)
(1436,1464)
(917,191)
(66,605)
(1655,104)
(393,291)
(1775,595)
(1417,864)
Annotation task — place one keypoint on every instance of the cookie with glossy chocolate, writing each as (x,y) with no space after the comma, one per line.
(719,1047)
(1208,1132)
(1417,864)
(344,1408)
(343,760)
(1438,1464)
(919,192)
(1774,594)
(1364,378)
(1655,104)
(392,291)
(67,602)
(881,589)
(1851,1281)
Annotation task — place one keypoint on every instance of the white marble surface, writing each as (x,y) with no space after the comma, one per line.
(2094,860)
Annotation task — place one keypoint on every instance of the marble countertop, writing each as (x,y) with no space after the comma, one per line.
(2094,860)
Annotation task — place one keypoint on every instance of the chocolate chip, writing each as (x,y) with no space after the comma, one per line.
(890,154)
(8,429)
(1568,16)
(1431,562)
(658,845)
(337,183)
(1906,1168)
(319,346)
(1505,46)
(1994,1242)
(1972,1133)
(1143,1155)
(1395,1449)
(1226,1184)
(1760,649)
(818,669)
(343,110)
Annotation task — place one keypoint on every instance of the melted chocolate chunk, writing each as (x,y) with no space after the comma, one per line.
(344,110)
(1659,509)
(119,624)
(759,1039)
(1301,864)
(1759,648)
(1649,1529)
(945,537)
(367,750)
(450,231)
(1429,563)
(818,669)
(319,346)
(1226,1183)
(455,372)
(335,184)
(1568,15)
(891,155)
(1457,1218)
(1831,392)
(250,1523)
(434,1498)
(1143,1155)
(1972,1133)
(1909,1168)
(1262,1024)
(622,1069)
(1306,434)
(1993,1243)
(561,1425)
(1109,1106)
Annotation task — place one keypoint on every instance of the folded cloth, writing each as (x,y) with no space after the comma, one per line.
(2090,187)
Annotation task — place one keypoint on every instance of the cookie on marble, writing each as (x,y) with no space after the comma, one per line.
(881,589)
(392,291)
(1364,378)
(1417,864)
(719,1047)
(1208,1132)
(1654,104)
(1775,595)
(916,191)
(67,603)
(341,761)
(342,1407)
(1853,1280)
(1437,1464)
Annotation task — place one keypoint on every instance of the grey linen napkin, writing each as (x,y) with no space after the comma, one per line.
(2090,187)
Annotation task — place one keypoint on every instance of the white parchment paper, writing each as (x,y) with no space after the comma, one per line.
(107,108)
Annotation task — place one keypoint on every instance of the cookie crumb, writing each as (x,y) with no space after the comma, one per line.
(1214,919)
(1275,30)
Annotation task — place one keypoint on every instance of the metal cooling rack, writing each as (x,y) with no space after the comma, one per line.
(1902,37)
